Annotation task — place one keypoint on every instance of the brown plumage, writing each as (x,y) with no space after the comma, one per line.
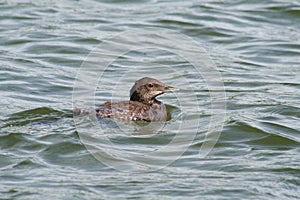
(142,105)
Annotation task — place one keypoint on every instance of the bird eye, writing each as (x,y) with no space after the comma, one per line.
(150,85)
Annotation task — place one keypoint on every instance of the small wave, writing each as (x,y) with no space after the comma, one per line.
(34,116)
(259,132)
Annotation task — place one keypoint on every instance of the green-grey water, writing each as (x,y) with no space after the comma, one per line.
(255,46)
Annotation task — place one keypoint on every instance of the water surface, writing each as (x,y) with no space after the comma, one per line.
(255,46)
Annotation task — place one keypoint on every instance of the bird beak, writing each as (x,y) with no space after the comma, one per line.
(170,89)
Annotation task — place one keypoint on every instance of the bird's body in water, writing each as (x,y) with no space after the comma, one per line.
(142,106)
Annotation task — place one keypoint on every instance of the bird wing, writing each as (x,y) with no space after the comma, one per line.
(125,110)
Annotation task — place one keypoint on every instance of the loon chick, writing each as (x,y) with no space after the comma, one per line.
(142,105)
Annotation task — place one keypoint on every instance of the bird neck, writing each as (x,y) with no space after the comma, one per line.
(136,97)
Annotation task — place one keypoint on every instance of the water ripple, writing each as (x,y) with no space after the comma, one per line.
(256,46)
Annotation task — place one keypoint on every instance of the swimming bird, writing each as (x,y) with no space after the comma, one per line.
(142,106)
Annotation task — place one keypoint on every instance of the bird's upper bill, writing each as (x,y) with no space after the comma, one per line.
(170,89)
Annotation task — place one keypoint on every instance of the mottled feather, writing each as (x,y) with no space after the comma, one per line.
(142,105)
